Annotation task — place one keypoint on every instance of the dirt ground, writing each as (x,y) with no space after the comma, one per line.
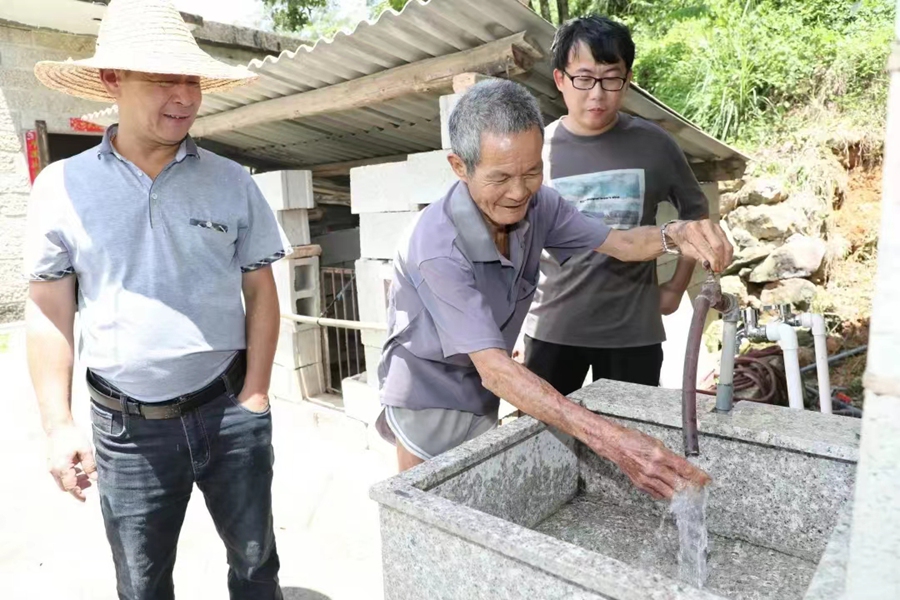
(851,285)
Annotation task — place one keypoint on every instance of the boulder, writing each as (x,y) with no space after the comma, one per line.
(733,284)
(815,209)
(801,256)
(762,191)
(748,257)
(798,292)
(741,237)
(768,223)
(727,203)
(730,186)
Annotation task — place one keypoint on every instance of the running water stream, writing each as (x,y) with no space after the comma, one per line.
(689,508)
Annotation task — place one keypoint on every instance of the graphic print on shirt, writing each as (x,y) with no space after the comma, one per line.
(617,197)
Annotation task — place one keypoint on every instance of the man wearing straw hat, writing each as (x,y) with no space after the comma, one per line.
(163,238)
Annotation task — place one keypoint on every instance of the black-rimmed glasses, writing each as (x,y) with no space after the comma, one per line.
(586,82)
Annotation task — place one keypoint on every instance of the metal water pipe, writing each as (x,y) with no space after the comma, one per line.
(710,297)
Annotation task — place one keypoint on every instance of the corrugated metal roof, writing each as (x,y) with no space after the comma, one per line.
(412,123)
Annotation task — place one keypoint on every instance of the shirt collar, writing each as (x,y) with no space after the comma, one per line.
(473,234)
(187,147)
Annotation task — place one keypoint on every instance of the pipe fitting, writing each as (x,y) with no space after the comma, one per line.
(784,334)
(816,323)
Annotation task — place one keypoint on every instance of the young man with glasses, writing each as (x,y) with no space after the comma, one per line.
(594,311)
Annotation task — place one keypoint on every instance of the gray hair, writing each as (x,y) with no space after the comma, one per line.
(497,106)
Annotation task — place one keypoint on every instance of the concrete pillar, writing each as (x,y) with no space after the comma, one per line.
(373,281)
(287,190)
(298,371)
(873,570)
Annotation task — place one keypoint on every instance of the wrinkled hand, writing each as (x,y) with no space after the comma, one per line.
(703,241)
(669,298)
(652,467)
(70,459)
(254,402)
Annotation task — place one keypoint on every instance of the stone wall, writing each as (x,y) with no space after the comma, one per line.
(781,242)
(23,100)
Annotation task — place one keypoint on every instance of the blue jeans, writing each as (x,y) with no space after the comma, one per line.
(147,470)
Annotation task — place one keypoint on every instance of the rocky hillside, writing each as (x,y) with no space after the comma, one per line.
(804,223)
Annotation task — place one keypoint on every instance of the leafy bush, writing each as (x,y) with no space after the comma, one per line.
(733,66)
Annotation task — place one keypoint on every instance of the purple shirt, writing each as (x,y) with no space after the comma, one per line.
(453,294)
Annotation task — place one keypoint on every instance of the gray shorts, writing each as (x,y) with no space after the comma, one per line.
(431,431)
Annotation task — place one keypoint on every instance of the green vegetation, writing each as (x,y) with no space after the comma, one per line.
(314,19)
(753,71)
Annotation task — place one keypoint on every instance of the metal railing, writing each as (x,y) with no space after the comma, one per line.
(342,348)
(343,354)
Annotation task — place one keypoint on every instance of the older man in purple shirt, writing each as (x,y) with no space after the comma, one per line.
(463,283)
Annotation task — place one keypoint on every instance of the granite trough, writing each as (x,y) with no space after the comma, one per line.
(525,512)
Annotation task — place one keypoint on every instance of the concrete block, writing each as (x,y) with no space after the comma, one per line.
(373,284)
(430,176)
(297,384)
(339,247)
(361,401)
(381,233)
(374,338)
(287,190)
(373,358)
(380,188)
(310,306)
(448,103)
(295,224)
(297,284)
(298,345)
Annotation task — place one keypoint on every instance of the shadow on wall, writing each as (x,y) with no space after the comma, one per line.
(294,593)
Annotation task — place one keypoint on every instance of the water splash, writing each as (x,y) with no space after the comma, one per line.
(689,508)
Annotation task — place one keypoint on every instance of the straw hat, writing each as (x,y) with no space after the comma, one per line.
(148,36)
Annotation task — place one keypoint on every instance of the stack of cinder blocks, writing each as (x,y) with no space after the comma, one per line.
(298,371)
(388,199)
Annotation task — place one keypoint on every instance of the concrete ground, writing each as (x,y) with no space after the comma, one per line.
(52,547)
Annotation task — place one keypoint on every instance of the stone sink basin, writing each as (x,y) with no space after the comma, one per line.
(524,512)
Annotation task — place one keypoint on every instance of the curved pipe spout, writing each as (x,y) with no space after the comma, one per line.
(710,296)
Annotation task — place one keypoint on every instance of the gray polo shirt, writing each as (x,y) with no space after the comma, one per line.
(158,262)
(453,294)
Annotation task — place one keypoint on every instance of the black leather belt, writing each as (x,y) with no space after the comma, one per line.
(109,397)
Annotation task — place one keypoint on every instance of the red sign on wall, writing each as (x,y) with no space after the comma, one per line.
(32,153)
(77,124)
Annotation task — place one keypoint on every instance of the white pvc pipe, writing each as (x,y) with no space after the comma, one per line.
(817,324)
(784,334)
(725,388)
(338,323)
